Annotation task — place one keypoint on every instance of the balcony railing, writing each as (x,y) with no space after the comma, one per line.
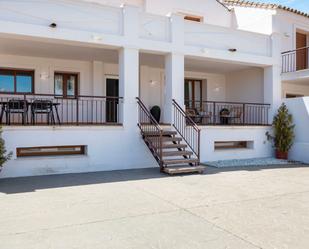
(227,113)
(295,60)
(48,109)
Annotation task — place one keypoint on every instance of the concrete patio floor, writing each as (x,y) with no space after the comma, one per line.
(138,209)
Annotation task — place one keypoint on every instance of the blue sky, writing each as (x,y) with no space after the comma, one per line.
(296,4)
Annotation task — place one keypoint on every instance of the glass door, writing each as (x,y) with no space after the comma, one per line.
(193,93)
(112,91)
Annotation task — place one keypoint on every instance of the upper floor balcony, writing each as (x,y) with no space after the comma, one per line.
(295,60)
(100,25)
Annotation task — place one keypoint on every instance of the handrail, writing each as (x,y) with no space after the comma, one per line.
(228,102)
(58,95)
(295,60)
(294,50)
(77,110)
(139,101)
(187,128)
(239,113)
(151,131)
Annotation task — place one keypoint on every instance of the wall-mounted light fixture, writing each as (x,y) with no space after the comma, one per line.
(53,25)
(44,76)
(97,38)
(153,82)
(233,50)
(286,34)
(205,50)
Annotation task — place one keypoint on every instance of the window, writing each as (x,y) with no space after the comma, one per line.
(193,18)
(291,95)
(66,85)
(51,151)
(193,93)
(16,81)
(221,145)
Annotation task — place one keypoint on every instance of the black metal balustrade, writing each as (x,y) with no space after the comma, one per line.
(49,109)
(227,113)
(151,131)
(187,128)
(295,60)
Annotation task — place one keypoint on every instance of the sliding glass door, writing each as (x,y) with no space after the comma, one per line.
(193,93)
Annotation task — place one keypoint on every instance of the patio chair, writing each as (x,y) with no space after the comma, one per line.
(236,115)
(42,107)
(19,107)
(194,115)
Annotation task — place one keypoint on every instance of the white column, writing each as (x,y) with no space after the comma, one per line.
(272,87)
(272,77)
(130,24)
(177,31)
(128,86)
(98,85)
(174,84)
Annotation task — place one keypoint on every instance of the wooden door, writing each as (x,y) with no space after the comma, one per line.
(193,93)
(112,90)
(302,53)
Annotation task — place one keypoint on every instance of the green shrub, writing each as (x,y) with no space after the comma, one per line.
(283,130)
(4,156)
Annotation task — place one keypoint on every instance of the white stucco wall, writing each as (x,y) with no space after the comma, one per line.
(108,148)
(210,10)
(216,84)
(261,147)
(253,19)
(299,108)
(299,89)
(287,24)
(245,86)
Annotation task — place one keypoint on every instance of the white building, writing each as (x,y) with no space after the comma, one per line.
(71,72)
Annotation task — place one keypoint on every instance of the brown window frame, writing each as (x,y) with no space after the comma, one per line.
(65,76)
(226,145)
(20,152)
(193,91)
(193,18)
(15,72)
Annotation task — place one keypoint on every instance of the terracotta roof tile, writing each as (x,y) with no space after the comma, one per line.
(244,3)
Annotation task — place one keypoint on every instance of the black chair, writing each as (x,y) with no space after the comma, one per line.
(16,106)
(42,107)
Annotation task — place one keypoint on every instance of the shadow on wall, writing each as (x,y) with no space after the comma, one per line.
(31,184)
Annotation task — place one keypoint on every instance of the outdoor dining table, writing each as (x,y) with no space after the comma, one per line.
(4,103)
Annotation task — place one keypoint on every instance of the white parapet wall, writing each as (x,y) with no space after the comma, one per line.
(108,148)
(255,136)
(299,108)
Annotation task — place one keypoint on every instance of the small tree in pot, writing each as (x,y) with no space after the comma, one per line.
(283,132)
(4,156)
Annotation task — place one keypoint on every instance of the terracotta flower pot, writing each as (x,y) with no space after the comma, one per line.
(282,155)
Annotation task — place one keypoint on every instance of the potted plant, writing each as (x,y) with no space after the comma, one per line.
(283,132)
(4,156)
(156,112)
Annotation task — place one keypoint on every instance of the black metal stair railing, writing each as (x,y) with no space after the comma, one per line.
(187,129)
(151,131)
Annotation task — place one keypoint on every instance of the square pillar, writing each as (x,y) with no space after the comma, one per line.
(129,86)
(272,88)
(174,84)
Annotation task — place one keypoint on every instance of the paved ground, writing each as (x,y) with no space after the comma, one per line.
(141,209)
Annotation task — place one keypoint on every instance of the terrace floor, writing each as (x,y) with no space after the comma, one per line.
(265,207)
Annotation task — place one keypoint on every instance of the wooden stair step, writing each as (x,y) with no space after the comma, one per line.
(155,133)
(179,161)
(183,170)
(167,139)
(173,146)
(177,153)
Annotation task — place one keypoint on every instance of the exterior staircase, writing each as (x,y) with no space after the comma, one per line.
(170,148)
